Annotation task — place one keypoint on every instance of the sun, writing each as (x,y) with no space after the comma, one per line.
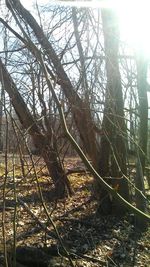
(134,24)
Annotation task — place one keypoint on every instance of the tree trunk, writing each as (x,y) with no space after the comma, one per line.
(140,200)
(1,119)
(113,150)
(41,141)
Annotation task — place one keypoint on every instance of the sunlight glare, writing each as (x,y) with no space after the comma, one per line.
(134,18)
(134,23)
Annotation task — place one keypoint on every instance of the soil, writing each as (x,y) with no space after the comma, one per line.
(48,232)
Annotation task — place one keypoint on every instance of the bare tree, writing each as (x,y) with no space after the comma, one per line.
(81,113)
(89,78)
(41,141)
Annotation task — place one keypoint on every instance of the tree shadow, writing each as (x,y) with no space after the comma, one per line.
(98,239)
(104,240)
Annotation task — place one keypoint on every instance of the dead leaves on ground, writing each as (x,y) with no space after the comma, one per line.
(91,240)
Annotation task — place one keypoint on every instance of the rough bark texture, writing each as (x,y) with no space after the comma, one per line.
(41,141)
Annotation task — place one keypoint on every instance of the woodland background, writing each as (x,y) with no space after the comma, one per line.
(74,138)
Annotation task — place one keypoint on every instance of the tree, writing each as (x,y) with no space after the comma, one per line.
(81,113)
(43,142)
(93,85)
(113,142)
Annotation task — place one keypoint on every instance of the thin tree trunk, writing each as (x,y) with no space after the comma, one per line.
(1,119)
(140,200)
(141,64)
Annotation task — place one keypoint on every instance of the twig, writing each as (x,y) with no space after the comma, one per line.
(89,258)
(41,224)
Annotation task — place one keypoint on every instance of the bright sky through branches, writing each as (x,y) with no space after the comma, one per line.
(134,18)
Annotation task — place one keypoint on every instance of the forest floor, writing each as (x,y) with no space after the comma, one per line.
(30,238)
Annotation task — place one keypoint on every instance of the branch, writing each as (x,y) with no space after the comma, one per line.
(87,163)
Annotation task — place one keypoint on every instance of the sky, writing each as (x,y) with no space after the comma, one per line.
(134,19)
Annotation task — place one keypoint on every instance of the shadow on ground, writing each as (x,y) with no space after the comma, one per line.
(91,240)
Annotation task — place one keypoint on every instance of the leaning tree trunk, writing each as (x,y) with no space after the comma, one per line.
(42,142)
(81,113)
(113,149)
